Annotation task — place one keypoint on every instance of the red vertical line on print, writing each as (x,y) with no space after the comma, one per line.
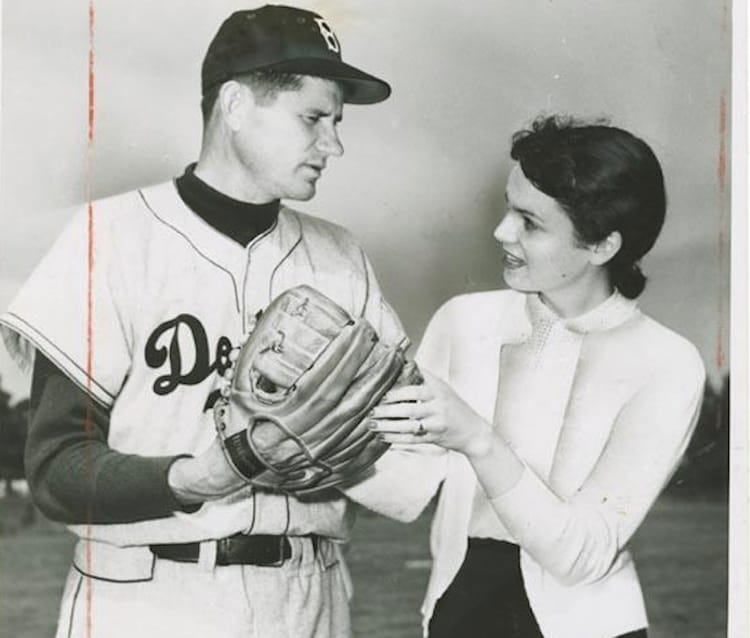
(89,303)
(722,179)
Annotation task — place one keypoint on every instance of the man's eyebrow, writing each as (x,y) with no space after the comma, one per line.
(319,112)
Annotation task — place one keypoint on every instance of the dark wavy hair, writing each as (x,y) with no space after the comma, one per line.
(605,179)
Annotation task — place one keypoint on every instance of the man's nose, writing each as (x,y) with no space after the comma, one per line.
(329,142)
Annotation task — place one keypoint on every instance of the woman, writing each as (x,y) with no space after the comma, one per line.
(566,408)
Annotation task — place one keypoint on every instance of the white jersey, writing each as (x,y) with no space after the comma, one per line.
(148,328)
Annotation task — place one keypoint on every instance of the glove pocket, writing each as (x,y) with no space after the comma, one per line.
(288,350)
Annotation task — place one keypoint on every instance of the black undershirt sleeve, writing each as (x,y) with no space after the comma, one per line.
(72,473)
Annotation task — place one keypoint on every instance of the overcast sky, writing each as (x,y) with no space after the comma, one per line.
(423,176)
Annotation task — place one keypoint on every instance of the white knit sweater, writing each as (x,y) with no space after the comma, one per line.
(600,409)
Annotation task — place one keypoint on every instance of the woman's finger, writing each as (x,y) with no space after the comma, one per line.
(406,393)
(392,426)
(403,431)
(413,427)
(404,439)
(403,410)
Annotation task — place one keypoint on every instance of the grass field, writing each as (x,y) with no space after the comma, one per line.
(681,553)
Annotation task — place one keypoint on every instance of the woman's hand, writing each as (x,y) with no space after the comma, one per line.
(431,413)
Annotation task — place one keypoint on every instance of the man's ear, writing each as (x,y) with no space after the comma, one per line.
(607,248)
(234,100)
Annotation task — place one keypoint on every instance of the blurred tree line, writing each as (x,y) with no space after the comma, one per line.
(13,428)
(705,466)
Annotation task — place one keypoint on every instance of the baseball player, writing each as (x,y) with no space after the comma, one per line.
(130,321)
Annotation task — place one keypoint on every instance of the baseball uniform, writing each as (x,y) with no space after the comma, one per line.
(146,333)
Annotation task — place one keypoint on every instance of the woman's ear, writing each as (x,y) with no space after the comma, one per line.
(603,251)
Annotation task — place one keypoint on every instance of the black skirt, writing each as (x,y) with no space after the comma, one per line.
(487,598)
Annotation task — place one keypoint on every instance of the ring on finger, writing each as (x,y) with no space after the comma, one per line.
(420,431)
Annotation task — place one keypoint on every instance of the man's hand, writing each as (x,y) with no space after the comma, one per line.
(206,477)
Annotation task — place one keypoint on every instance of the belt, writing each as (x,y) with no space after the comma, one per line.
(260,549)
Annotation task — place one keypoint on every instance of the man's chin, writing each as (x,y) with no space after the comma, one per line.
(302,194)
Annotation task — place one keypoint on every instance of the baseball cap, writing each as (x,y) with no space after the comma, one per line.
(287,40)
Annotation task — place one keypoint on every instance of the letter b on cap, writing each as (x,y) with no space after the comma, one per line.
(328,35)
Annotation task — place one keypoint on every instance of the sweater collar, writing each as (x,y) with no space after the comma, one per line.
(612,312)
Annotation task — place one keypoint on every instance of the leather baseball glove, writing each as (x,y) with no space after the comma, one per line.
(292,415)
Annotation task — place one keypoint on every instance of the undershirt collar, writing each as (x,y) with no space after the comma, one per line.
(240,221)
